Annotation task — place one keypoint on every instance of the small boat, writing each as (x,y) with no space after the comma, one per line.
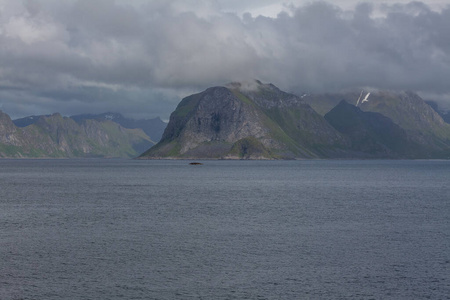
(195,164)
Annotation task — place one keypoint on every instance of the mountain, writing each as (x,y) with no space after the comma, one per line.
(154,128)
(24,122)
(252,120)
(423,125)
(371,134)
(248,120)
(58,136)
(406,109)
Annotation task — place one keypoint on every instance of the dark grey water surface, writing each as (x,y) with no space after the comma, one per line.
(124,229)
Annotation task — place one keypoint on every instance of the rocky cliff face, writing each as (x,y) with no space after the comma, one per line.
(246,121)
(207,125)
(217,115)
(57,136)
(258,121)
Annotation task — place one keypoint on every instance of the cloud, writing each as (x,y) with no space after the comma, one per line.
(70,56)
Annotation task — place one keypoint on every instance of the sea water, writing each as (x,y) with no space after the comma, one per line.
(130,229)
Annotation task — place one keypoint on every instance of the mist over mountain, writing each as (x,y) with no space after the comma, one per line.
(141,57)
(246,121)
(252,120)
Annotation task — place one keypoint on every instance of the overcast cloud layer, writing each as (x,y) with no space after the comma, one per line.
(95,56)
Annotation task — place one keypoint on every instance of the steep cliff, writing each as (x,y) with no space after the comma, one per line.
(246,120)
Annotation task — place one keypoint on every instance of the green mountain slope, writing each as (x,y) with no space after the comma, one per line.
(57,136)
(412,113)
(423,125)
(154,128)
(253,121)
(372,135)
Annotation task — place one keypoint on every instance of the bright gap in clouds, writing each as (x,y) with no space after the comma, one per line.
(272,8)
(141,57)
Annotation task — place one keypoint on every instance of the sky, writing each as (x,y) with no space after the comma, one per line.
(141,57)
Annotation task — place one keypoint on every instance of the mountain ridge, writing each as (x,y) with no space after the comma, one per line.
(210,123)
(423,124)
(371,132)
(245,120)
(253,120)
(152,127)
(55,136)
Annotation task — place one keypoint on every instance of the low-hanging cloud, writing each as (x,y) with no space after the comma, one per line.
(75,56)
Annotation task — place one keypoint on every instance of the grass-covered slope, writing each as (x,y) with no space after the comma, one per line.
(372,135)
(425,128)
(60,137)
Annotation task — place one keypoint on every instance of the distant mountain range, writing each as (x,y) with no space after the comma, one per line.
(424,127)
(154,128)
(104,135)
(252,120)
(245,120)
